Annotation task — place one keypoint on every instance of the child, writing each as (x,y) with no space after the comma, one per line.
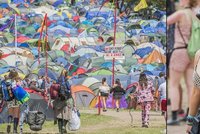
(145,98)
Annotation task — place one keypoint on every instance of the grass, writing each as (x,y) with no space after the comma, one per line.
(95,124)
(94,119)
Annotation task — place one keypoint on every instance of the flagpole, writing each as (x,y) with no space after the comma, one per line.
(15,40)
(114,41)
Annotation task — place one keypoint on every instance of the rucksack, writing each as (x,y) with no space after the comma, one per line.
(7,91)
(54,90)
(21,94)
(35,120)
(65,89)
(193,44)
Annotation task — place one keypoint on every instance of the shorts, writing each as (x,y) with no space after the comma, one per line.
(13,103)
(104,94)
(164,105)
(117,96)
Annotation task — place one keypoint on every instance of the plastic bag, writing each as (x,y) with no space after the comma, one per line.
(75,122)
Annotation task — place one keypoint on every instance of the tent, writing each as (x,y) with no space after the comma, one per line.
(142,52)
(36,102)
(155,47)
(128,51)
(43,9)
(89,81)
(155,57)
(83,95)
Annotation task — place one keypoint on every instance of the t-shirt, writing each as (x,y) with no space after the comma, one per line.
(161,80)
(162,90)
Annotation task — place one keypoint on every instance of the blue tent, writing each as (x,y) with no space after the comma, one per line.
(158,43)
(161,25)
(108,64)
(36,26)
(61,60)
(34,51)
(50,73)
(18,1)
(58,2)
(4,5)
(149,30)
(26,45)
(148,72)
(153,23)
(59,32)
(143,51)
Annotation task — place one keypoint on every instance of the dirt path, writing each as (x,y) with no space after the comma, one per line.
(123,119)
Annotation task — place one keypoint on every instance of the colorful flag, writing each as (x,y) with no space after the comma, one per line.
(141,5)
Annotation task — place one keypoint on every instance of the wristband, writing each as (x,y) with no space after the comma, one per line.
(190,118)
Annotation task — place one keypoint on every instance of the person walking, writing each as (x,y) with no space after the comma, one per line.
(13,105)
(63,104)
(104,92)
(118,92)
(180,64)
(145,98)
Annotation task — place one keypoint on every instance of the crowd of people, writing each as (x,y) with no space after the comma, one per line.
(146,94)
(42,86)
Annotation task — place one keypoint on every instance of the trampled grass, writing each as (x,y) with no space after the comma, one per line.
(96,124)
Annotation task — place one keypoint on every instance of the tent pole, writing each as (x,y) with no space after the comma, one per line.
(114,42)
(16,40)
(46,47)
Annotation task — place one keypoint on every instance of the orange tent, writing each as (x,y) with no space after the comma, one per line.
(155,57)
(79,88)
(82,95)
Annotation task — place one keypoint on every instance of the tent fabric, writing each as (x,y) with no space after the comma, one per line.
(89,81)
(22,39)
(78,88)
(128,50)
(155,57)
(83,98)
(110,103)
(142,52)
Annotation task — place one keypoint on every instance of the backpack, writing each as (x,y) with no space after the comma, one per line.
(193,44)
(21,94)
(65,89)
(35,120)
(54,89)
(7,91)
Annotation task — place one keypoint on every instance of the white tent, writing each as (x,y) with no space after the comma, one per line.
(89,81)
(84,51)
(43,10)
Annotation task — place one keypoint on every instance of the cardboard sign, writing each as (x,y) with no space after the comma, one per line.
(113,52)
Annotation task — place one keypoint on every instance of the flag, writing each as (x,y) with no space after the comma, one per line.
(141,5)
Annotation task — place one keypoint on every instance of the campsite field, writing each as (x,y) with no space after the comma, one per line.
(110,122)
